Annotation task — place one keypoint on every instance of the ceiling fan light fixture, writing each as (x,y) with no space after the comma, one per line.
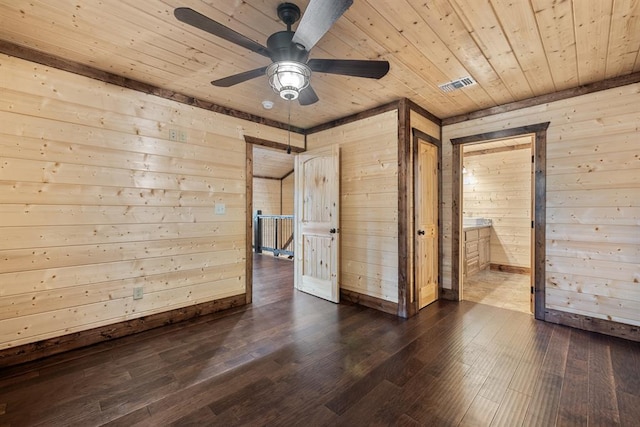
(290,71)
(288,78)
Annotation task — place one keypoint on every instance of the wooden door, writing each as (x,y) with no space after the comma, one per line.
(317,183)
(426,223)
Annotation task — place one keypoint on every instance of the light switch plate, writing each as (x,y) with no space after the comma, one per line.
(137,293)
(220,209)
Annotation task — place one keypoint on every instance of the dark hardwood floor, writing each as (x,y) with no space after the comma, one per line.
(292,359)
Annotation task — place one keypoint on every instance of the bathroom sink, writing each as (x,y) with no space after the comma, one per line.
(476,222)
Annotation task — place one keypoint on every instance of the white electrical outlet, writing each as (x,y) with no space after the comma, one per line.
(137,293)
(220,209)
(173,134)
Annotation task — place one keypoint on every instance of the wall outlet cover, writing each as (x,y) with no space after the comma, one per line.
(220,209)
(138,293)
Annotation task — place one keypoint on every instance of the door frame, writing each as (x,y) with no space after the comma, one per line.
(417,135)
(539,131)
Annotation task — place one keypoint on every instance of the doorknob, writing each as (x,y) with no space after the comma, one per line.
(420,232)
(333,231)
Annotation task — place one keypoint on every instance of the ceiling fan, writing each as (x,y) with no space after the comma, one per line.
(291,68)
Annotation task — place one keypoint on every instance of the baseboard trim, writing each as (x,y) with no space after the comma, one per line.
(449,294)
(49,347)
(369,301)
(592,324)
(510,269)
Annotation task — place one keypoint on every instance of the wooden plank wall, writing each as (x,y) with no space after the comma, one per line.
(424,124)
(368,203)
(497,185)
(104,189)
(267,196)
(593,208)
(287,194)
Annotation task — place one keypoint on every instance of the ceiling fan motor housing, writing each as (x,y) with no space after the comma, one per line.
(281,48)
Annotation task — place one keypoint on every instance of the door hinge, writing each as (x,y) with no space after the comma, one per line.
(532,290)
(533,225)
(533,159)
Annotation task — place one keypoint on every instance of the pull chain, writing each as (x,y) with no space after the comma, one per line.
(289,124)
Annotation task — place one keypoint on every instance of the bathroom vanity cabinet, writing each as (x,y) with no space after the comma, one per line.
(476,249)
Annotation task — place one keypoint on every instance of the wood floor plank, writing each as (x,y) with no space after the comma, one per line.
(393,410)
(313,416)
(527,372)
(368,403)
(505,350)
(255,390)
(495,387)
(626,366)
(629,407)
(603,405)
(200,417)
(194,398)
(512,409)
(293,359)
(124,401)
(137,417)
(480,413)
(574,398)
(545,404)
(453,392)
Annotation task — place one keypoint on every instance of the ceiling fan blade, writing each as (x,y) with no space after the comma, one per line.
(317,19)
(308,96)
(239,78)
(198,20)
(350,67)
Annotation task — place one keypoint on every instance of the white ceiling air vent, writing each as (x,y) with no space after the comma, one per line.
(457,84)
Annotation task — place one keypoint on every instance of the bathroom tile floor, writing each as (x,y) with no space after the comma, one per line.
(499,289)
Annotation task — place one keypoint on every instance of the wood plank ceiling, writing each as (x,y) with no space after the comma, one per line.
(515,49)
(271,163)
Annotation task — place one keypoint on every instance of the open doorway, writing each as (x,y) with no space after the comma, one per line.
(497,213)
(270,224)
(539,134)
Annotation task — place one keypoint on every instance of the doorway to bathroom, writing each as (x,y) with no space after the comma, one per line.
(537,140)
(497,213)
